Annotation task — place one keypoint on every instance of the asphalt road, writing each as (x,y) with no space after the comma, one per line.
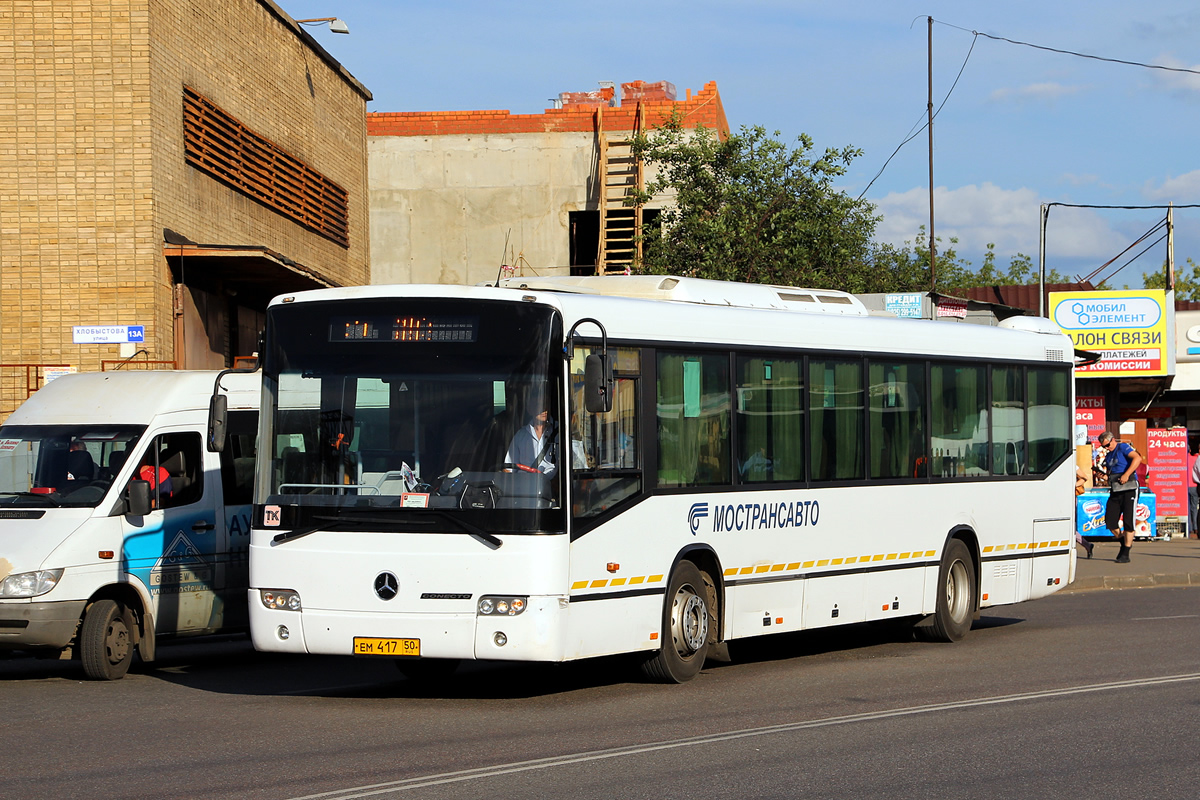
(1093,694)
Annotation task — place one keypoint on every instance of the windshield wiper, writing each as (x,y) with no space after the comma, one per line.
(474,530)
(37,495)
(327,522)
(300,533)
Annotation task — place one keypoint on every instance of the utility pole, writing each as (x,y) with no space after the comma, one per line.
(1171,247)
(1043,215)
(932,246)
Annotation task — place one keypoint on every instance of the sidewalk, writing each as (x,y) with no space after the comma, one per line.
(1173,563)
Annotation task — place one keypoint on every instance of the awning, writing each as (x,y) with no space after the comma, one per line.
(258,271)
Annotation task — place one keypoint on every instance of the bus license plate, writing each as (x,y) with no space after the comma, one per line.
(374,646)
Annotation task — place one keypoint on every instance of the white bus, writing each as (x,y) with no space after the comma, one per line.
(728,461)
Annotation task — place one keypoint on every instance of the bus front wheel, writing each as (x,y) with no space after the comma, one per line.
(955,598)
(106,641)
(689,607)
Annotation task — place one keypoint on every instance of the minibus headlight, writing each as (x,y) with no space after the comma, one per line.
(501,606)
(30,584)
(280,599)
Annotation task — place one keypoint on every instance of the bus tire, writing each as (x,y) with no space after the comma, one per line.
(106,641)
(955,596)
(687,610)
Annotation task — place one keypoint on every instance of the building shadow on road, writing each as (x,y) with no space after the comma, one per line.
(230,665)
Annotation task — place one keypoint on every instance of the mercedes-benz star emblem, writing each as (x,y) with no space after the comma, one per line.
(387,585)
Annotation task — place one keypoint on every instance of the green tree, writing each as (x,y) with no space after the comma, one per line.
(1187,282)
(751,208)
(1021,271)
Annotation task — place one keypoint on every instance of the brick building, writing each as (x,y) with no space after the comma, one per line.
(170,164)
(455,195)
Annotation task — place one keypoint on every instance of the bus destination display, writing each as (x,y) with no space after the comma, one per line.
(404,329)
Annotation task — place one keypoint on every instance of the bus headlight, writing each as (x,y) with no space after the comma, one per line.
(30,584)
(280,599)
(501,606)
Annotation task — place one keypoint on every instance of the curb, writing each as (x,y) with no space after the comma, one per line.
(1133,581)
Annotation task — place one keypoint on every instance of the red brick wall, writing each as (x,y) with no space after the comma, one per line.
(701,108)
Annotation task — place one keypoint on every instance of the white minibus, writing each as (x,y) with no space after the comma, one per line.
(119,522)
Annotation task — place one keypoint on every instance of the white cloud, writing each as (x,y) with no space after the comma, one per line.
(1178,81)
(1182,189)
(1008,218)
(1036,91)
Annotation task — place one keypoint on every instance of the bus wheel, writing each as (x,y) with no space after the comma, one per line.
(685,627)
(955,596)
(106,641)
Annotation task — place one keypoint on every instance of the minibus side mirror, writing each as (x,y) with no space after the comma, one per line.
(597,384)
(138,498)
(218,418)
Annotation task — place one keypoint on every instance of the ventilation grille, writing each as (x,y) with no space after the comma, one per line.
(220,145)
(1004,570)
(1054,355)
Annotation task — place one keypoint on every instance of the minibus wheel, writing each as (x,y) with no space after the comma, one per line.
(687,610)
(955,596)
(106,641)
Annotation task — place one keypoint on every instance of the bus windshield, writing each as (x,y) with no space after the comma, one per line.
(51,466)
(392,414)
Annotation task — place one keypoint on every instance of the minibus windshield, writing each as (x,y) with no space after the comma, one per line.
(51,466)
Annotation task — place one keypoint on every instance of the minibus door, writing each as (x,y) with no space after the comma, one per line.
(175,549)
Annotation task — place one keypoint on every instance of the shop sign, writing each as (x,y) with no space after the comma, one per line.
(1167,458)
(952,307)
(1089,412)
(1128,328)
(906,304)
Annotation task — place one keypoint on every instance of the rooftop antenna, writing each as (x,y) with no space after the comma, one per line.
(503,257)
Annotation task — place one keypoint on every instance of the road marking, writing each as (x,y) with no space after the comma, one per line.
(1177,616)
(459,776)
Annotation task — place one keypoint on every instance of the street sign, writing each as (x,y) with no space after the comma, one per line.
(108,334)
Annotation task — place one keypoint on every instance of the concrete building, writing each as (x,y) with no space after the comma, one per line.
(168,165)
(457,195)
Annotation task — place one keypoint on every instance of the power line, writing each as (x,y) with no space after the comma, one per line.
(1123,208)
(915,133)
(1158,226)
(1072,52)
(1116,271)
(975,37)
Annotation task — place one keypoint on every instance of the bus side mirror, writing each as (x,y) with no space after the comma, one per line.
(218,418)
(597,384)
(137,498)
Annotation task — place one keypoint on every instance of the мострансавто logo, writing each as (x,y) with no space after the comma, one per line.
(754,516)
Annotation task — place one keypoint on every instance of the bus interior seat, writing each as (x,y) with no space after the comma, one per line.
(184,485)
(243,470)
(81,465)
(116,460)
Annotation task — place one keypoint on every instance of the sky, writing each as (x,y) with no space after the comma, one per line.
(1019,127)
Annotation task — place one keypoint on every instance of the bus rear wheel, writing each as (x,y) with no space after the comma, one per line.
(106,641)
(955,598)
(690,606)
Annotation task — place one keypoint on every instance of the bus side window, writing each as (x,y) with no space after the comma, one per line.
(693,418)
(605,455)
